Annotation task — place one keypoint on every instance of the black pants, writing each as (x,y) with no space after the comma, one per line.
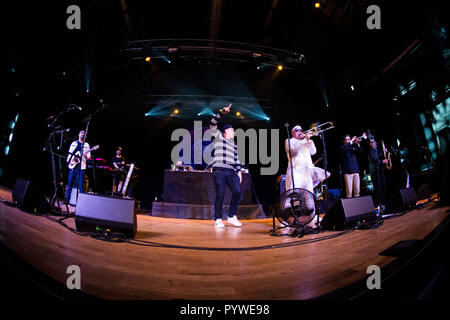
(379,187)
(223,177)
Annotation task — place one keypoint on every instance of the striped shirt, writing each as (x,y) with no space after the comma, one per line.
(225,150)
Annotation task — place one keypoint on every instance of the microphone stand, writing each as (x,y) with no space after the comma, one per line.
(325,182)
(292,176)
(49,145)
(88,118)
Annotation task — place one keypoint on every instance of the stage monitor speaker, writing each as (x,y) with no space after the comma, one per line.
(98,213)
(408,197)
(29,198)
(350,212)
(402,200)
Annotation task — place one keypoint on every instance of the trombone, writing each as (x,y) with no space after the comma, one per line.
(318,129)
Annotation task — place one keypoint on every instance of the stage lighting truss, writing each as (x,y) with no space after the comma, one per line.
(191,105)
(213,51)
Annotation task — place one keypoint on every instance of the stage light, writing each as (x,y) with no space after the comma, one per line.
(317,5)
(6,150)
(238,114)
(176,111)
(280,67)
(267,118)
(147,59)
(353,88)
(10,137)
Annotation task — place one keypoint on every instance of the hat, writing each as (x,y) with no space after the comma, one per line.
(226,126)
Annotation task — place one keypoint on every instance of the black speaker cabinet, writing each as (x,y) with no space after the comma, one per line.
(98,213)
(29,198)
(408,197)
(402,200)
(347,213)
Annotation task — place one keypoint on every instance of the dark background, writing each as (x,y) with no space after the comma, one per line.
(54,66)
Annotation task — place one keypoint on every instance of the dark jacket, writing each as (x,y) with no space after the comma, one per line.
(350,153)
(375,161)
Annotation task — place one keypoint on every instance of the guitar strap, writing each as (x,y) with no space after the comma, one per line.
(77,148)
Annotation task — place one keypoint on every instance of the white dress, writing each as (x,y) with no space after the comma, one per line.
(306,175)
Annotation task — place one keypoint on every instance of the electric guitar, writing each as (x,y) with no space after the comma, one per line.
(387,155)
(76,157)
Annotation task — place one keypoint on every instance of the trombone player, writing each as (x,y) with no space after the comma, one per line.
(305,174)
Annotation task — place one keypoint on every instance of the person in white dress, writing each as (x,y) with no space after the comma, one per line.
(306,175)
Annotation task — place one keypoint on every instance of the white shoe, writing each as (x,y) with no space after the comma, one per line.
(234,221)
(219,223)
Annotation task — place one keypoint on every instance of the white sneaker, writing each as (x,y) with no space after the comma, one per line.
(234,221)
(219,223)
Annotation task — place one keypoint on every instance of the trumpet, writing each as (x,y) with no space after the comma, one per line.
(316,130)
(364,136)
(358,139)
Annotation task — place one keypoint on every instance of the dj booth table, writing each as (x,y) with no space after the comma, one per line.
(191,195)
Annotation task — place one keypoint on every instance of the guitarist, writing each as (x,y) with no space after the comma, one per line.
(77,159)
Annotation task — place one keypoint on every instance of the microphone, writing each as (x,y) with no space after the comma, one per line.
(75,106)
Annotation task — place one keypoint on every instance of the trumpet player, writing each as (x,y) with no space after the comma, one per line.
(351,150)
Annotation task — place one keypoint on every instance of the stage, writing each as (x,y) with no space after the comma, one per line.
(189,259)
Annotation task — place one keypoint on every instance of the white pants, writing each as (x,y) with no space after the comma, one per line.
(352,184)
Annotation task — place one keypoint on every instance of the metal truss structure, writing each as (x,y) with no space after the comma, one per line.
(213,50)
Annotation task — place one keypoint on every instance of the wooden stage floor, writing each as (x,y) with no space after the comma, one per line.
(190,259)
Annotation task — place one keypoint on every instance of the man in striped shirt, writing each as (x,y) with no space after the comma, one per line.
(226,169)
